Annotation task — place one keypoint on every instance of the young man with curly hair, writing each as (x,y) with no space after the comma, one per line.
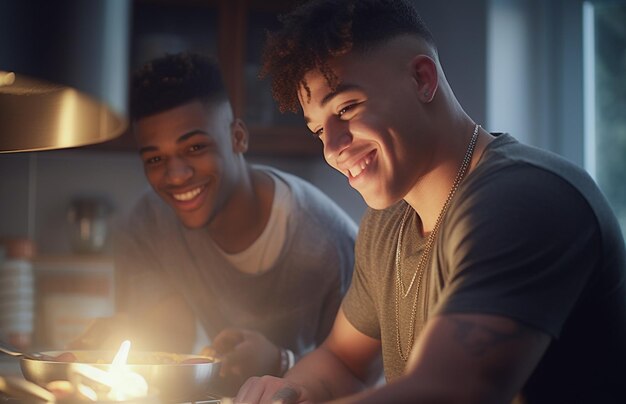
(260,258)
(486,271)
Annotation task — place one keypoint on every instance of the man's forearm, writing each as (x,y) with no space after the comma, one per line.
(324,376)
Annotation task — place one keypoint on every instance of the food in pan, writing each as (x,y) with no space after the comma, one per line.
(64,357)
(136,358)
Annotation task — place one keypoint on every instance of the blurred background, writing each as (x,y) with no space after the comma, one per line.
(550,72)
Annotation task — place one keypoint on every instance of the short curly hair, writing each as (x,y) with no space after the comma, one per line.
(320,30)
(173,80)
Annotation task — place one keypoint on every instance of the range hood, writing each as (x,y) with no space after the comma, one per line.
(63,72)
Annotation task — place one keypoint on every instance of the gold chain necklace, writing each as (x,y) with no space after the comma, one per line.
(425,257)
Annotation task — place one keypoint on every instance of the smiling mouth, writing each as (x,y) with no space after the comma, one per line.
(360,165)
(189,195)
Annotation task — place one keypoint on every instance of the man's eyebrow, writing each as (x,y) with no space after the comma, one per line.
(181,138)
(341,88)
(191,133)
(147,149)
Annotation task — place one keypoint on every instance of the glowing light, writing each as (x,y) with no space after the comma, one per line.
(119,382)
(68,116)
(121,357)
(87,392)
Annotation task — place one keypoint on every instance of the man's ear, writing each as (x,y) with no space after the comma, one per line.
(239,136)
(424,70)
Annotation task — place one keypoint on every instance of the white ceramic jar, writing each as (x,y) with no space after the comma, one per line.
(17,300)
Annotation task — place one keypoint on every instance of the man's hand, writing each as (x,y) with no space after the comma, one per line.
(245,354)
(342,365)
(271,390)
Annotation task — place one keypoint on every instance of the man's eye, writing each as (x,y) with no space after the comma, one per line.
(197,147)
(153,160)
(345,109)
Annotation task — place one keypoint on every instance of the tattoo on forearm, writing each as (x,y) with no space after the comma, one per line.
(286,395)
(477,339)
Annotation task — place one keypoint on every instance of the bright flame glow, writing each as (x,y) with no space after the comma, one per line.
(122,383)
(87,392)
(121,357)
(125,384)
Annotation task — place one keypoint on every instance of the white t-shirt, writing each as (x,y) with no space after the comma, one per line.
(159,257)
(266,249)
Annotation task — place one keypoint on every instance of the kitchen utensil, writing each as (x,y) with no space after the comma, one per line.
(88,224)
(174,381)
(12,351)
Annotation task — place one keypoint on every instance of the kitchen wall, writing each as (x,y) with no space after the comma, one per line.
(475,40)
(37,189)
(535,73)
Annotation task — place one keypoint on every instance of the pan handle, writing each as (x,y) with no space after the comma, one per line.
(12,351)
(9,350)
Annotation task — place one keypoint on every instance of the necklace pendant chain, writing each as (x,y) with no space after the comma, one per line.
(403,291)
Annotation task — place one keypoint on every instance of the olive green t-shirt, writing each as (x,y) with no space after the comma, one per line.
(528,236)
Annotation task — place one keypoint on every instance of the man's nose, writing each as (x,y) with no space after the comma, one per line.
(337,138)
(178,171)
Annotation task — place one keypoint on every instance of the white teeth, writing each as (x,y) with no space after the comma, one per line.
(359,166)
(187,195)
(356,170)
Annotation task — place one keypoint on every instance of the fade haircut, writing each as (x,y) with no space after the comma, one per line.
(320,30)
(173,80)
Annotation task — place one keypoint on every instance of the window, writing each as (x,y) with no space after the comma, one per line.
(604,30)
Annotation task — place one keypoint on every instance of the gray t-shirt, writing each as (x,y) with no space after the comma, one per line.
(293,304)
(528,236)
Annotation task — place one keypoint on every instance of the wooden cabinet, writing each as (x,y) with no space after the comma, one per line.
(234,31)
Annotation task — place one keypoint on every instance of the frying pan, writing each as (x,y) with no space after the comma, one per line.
(175,381)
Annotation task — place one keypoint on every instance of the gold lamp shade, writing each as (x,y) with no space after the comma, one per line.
(37,115)
(63,73)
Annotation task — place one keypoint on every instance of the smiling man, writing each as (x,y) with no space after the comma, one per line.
(486,271)
(260,258)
